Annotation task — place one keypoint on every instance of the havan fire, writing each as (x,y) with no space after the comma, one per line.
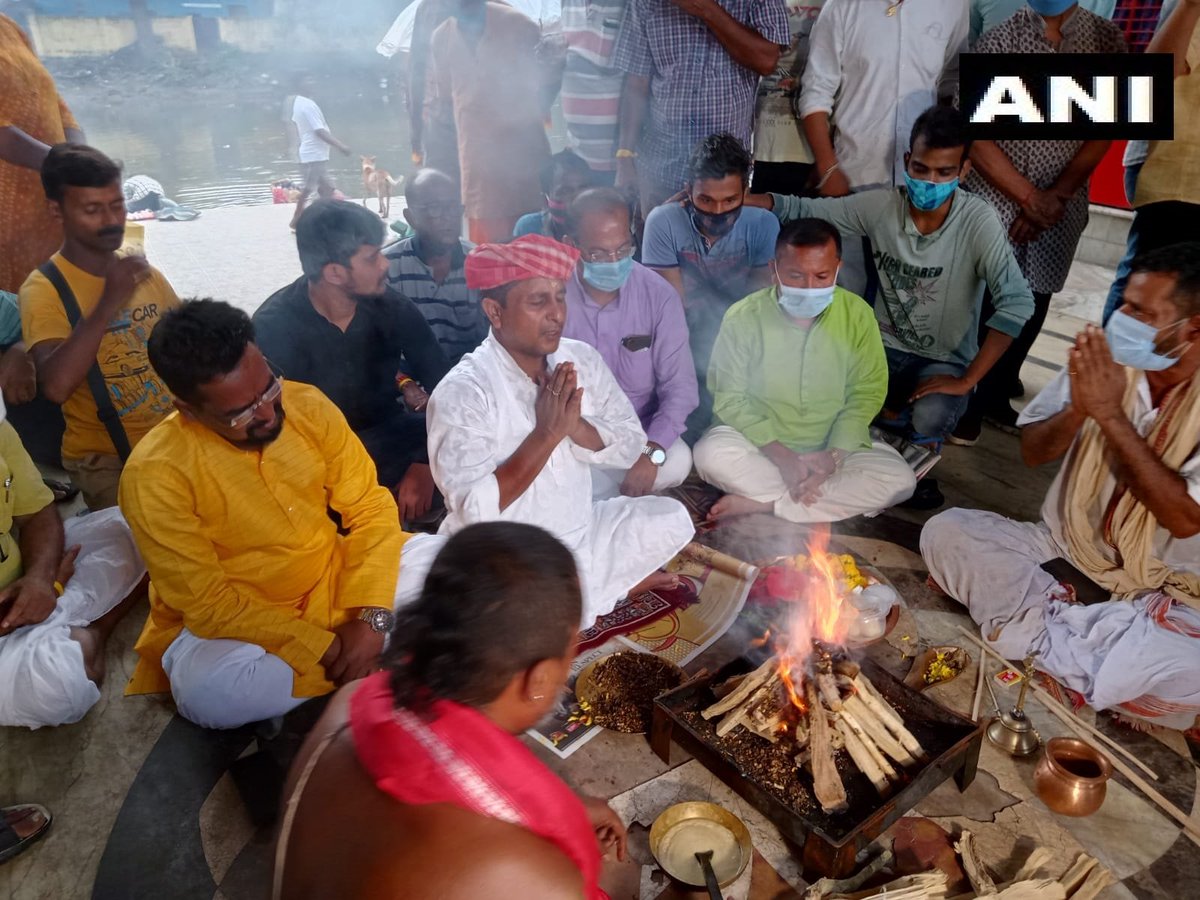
(810,694)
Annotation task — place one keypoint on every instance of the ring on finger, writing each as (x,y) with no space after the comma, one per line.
(556,393)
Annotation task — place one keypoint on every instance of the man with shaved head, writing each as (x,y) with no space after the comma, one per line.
(517,426)
(427,268)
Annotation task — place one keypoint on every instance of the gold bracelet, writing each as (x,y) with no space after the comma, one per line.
(626,154)
(404,382)
(58,588)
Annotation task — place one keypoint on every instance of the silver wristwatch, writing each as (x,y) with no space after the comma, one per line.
(380,620)
(657,455)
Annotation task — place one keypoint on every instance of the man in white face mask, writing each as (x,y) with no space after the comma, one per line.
(797,374)
(1121,523)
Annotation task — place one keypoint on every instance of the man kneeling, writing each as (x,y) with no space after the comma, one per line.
(414,783)
(1123,511)
(258,599)
(517,425)
(797,374)
(61,593)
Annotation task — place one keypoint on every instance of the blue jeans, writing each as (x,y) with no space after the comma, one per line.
(932,417)
(1123,267)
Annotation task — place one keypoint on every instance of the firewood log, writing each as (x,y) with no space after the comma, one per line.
(827,688)
(743,690)
(740,714)
(727,687)
(869,745)
(863,759)
(827,784)
(871,724)
(885,713)
(846,667)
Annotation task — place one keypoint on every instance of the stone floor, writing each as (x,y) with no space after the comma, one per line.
(146,805)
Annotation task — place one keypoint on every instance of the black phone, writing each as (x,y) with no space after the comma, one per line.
(636,342)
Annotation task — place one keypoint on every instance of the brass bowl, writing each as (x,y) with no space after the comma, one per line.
(1072,776)
(685,829)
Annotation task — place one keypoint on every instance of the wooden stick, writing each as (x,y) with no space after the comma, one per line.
(862,758)
(860,714)
(868,743)
(743,690)
(1074,721)
(978,691)
(827,784)
(883,711)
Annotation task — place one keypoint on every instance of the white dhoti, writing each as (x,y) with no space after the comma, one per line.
(865,482)
(227,684)
(42,676)
(607,480)
(1141,655)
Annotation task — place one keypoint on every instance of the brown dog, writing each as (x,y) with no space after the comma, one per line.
(378,182)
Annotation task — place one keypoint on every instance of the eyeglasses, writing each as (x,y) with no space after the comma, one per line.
(438,210)
(270,395)
(595,256)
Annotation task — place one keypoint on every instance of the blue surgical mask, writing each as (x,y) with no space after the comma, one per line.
(928,195)
(1050,7)
(1132,344)
(608,276)
(805,303)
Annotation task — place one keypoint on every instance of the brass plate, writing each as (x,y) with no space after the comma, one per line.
(685,829)
(585,684)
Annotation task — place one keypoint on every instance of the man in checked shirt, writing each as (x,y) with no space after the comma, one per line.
(692,69)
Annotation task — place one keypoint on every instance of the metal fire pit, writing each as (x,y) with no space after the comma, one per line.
(829,842)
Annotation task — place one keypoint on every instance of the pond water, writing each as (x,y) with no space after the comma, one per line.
(211,154)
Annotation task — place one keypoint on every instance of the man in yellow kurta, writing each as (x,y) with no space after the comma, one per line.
(258,599)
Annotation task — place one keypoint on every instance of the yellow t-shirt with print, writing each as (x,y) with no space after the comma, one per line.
(138,394)
(22,493)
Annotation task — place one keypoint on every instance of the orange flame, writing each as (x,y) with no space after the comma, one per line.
(822,614)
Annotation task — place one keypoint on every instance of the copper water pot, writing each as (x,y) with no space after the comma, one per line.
(1072,776)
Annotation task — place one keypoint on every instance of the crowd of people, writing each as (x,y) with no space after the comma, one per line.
(429,464)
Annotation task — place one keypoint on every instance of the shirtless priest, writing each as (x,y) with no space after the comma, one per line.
(517,425)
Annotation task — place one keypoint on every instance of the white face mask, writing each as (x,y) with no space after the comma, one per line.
(805,303)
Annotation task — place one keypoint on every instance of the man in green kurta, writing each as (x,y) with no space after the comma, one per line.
(797,374)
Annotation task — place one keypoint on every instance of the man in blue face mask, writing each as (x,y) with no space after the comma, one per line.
(634,318)
(798,373)
(711,248)
(1121,521)
(935,248)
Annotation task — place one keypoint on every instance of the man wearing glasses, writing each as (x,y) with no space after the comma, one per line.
(427,268)
(258,600)
(635,319)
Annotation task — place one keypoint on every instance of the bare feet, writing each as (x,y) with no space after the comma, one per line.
(656,581)
(737,505)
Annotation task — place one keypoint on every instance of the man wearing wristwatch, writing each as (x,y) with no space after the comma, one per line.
(259,600)
(798,373)
(634,318)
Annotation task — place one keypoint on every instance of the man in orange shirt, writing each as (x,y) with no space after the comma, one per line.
(258,599)
(86,315)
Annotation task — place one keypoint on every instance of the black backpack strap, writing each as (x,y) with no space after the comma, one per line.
(109,417)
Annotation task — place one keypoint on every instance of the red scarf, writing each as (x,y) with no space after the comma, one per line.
(457,755)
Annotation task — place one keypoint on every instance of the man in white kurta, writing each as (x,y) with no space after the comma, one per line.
(517,425)
(61,592)
(1124,510)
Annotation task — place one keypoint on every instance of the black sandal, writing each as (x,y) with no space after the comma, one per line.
(63,490)
(10,843)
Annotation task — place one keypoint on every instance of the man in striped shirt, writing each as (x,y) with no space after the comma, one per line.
(591,84)
(428,267)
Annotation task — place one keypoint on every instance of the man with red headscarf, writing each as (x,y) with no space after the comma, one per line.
(516,426)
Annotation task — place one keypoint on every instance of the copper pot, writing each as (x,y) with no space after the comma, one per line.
(1072,776)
